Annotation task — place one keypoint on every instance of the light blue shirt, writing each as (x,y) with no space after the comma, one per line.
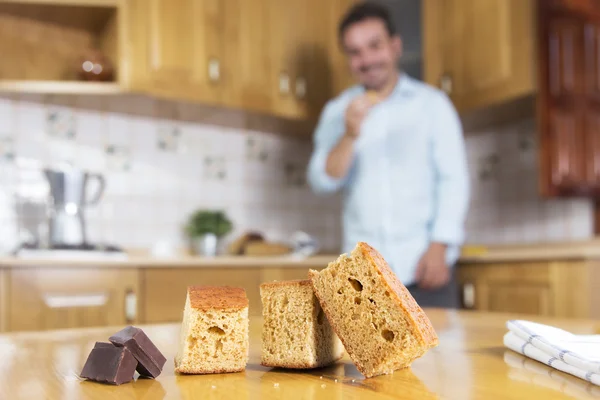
(408,184)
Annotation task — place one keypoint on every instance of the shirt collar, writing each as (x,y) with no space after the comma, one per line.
(405,86)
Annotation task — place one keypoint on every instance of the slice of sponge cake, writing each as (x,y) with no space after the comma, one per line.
(214,333)
(296,333)
(379,322)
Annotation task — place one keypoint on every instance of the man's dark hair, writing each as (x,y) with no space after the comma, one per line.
(363,11)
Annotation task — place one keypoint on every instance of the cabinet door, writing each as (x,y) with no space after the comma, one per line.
(178,45)
(340,75)
(60,298)
(246,52)
(3,299)
(299,32)
(479,52)
(591,48)
(569,101)
(523,298)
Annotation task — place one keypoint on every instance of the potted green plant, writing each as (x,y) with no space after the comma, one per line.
(205,228)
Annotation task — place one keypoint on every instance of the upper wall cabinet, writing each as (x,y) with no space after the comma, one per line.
(569,97)
(178,48)
(246,55)
(299,57)
(340,77)
(63,46)
(259,55)
(479,52)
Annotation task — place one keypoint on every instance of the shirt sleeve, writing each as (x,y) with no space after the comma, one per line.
(452,176)
(328,132)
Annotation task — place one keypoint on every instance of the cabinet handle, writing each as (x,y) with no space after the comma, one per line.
(284,83)
(446,84)
(130,306)
(75,300)
(214,70)
(469,295)
(300,87)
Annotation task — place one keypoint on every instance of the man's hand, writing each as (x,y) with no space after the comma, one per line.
(432,271)
(357,111)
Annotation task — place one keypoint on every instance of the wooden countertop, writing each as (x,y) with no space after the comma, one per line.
(581,250)
(469,363)
(179,262)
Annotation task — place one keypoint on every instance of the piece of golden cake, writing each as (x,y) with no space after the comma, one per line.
(296,333)
(214,333)
(380,323)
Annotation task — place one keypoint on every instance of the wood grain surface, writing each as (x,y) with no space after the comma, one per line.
(469,363)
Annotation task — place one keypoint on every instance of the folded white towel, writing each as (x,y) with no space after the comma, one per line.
(578,355)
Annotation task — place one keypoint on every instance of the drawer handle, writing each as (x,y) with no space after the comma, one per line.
(214,70)
(300,87)
(284,84)
(130,306)
(76,300)
(469,295)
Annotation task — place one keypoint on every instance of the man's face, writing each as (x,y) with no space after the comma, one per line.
(372,53)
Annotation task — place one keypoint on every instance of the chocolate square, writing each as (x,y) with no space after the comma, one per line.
(150,359)
(109,364)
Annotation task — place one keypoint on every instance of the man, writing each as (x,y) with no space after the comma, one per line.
(395,146)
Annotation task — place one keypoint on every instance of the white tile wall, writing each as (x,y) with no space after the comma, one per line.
(505,205)
(150,190)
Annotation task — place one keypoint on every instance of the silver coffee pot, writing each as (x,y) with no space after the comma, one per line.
(68,199)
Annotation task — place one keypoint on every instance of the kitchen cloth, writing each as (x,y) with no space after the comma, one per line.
(578,355)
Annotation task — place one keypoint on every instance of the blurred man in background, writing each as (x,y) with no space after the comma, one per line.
(395,146)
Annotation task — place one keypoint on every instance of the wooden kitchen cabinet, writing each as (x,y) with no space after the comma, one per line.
(479,52)
(246,55)
(299,55)
(569,97)
(57,298)
(178,48)
(43,44)
(340,77)
(566,289)
(3,300)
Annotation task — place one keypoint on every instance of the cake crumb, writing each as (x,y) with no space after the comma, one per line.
(213,386)
(323,386)
(353,380)
(335,380)
(321,377)
(276,385)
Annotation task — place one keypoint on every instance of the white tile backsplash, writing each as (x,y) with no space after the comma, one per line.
(505,205)
(151,190)
(258,178)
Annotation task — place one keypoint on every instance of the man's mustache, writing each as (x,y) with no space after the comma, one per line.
(366,68)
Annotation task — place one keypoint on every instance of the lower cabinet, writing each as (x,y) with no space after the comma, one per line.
(164,289)
(554,288)
(57,298)
(3,300)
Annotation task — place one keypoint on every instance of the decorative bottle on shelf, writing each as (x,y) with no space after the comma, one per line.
(95,66)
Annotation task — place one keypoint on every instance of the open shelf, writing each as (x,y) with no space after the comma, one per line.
(60,87)
(43,45)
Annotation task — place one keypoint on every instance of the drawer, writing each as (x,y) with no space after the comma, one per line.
(57,298)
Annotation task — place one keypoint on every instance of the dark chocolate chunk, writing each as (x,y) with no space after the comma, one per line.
(109,364)
(150,359)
